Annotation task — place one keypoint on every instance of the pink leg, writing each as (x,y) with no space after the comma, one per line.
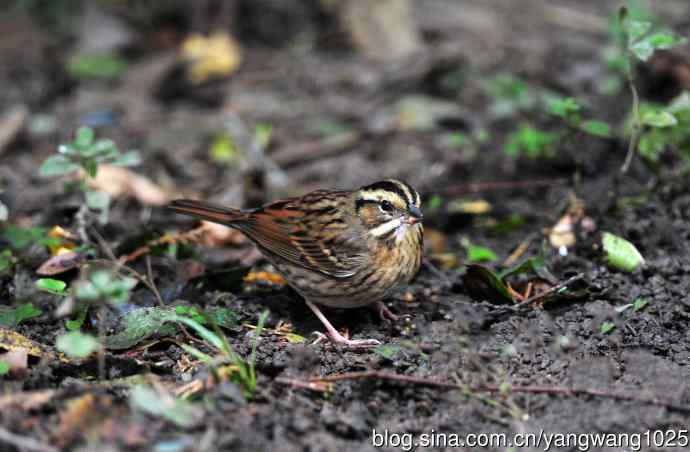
(386,315)
(338,338)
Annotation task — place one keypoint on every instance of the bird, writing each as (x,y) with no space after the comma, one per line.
(335,248)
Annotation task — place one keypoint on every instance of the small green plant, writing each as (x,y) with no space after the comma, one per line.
(86,153)
(246,370)
(12,317)
(531,142)
(76,344)
(640,39)
(6,260)
(476,253)
(570,111)
(101,288)
(22,238)
(156,402)
(640,303)
(607,327)
(509,95)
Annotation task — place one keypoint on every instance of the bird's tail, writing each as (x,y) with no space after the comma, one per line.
(207,211)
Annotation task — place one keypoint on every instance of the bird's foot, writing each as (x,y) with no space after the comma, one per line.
(384,313)
(342,341)
(337,338)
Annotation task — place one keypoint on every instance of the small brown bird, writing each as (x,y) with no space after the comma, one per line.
(337,248)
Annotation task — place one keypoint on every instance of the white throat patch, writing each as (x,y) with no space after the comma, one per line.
(387,227)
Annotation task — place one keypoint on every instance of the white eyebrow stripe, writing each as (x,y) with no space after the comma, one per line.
(386,227)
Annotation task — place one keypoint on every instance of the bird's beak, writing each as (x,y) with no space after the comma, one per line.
(414,215)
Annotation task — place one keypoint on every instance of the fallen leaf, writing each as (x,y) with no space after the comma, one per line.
(64,242)
(265,277)
(620,253)
(26,400)
(214,234)
(73,417)
(10,340)
(483,284)
(61,263)
(472,207)
(119,181)
(218,55)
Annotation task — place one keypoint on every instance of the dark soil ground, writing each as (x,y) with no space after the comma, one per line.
(567,375)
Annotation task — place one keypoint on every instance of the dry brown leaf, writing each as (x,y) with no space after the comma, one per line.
(26,400)
(74,417)
(265,277)
(213,234)
(119,181)
(61,263)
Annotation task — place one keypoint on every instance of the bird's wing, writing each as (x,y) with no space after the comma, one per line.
(317,241)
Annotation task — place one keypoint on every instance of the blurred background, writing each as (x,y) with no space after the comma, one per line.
(241,101)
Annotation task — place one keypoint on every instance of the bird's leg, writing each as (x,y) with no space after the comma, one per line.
(338,338)
(384,313)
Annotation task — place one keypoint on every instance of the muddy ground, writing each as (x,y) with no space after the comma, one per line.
(309,88)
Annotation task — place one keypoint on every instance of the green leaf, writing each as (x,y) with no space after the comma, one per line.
(79,318)
(83,138)
(480,254)
(435,203)
(562,107)
(483,284)
(21,238)
(636,28)
(607,327)
(620,253)
(76,344)
(4,368)
(387,351)
(96,66)
(178,411)
(206,334)
(13,317)
(6,260)
(680,103)
(57,165)
(642,50)
(91,167)
(130,158)
(659,118)
(596,128)
(54,286)
(640,303)
(664,40)
(536,265)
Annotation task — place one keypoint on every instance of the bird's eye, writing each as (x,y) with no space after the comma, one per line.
(386,206)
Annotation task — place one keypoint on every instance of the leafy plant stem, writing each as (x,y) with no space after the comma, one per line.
(636,122)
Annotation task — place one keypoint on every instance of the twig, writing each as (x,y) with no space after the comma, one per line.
(549,291)
(498,313)
(636,124)
(154,288)
(24,442)
(485,387)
